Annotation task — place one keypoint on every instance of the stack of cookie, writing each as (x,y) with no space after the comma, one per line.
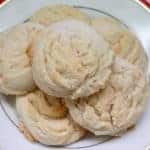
(73,74)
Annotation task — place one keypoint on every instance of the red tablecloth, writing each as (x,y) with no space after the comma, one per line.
(1,1)
(146,2)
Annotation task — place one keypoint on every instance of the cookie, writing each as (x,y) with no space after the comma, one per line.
(50,14)
(124,43)
(15,58)
(116,108)
(71,60)
(45,119)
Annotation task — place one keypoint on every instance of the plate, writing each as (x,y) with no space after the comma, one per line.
(131,15)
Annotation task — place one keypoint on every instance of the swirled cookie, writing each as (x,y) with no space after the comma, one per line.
(46,119)
(116,108)
(50,14)
(122,41)
(71,60)
(15,58)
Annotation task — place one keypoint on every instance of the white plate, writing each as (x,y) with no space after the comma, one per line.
(129,13)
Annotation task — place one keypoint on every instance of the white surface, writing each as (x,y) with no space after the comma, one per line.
(126,10)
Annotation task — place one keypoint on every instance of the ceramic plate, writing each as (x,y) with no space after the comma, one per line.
(131,15)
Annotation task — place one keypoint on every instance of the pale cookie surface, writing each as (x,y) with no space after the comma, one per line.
(16,57)
(116,108)
(68,63)
(47,120)
(123,42)
(50,14)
